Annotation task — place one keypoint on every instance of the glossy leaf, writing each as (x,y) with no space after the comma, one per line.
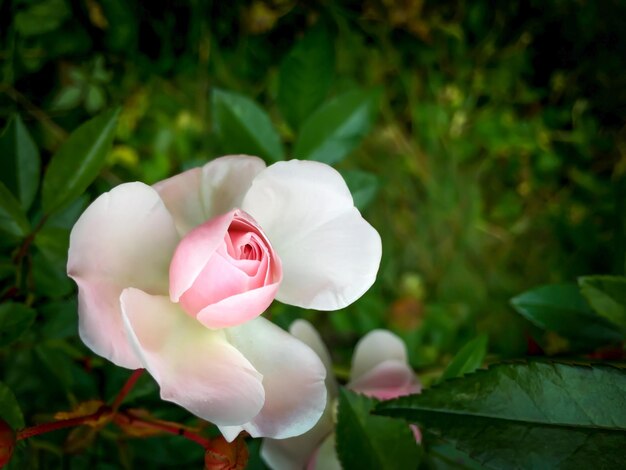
(15,319)
(562,309)
(79,160)
(336,128)
(527,415)
(244,127)
(468,359)
(13,221)
(607,296)
(365,441)
(9,408)
(363,186)
(19,162)
(306,74)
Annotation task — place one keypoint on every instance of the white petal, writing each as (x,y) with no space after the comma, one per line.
(330,254)
(195,367)
(305,332)
(125,238)
(200,194)
(326,457)
(294,453)
(375,348)
(182,197)
(293,378)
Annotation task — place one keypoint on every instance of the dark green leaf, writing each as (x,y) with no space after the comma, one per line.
(79,160)
(363,186)
(365,441)
(58,364)
(535,415)
(67,217)
(10,409)
(468,359)
(59,319)
(244,127)
(336,128)
(54,243)
(306,74)
(19,162)
(49,277)
(441,456)
(15,319)
(561,308)
(607,296)
(13,221)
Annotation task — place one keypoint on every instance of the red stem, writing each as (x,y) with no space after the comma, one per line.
(170,428)
(128,386)
(66,423)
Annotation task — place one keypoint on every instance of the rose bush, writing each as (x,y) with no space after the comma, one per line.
(173,278)
(379,369)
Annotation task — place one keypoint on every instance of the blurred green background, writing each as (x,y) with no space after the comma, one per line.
(486,143)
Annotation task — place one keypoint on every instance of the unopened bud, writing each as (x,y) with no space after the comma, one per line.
(223,455)
(7,443)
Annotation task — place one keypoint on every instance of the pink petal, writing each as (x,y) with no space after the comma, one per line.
(194,251)
(293,378)
(125,238)
(389,379)
(195,367)
(238,309)
(200,194)
(330,254)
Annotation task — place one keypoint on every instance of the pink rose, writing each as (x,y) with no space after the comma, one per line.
(173,278)
(225,272)
(380,369)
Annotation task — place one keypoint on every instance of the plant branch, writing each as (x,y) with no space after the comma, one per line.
(128,386)
(65,423)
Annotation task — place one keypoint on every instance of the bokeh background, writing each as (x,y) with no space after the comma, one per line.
(492,160)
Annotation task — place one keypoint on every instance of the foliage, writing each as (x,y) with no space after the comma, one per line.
(484,142)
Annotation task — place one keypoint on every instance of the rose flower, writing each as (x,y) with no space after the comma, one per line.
(173,278)
(380,369)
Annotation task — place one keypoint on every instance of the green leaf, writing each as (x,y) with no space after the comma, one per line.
(244,127)
(19,162)
(306,74)
(561,308)
(41,17)
(68,98)
(336,128)
(79,160)
(527,415)
(365,441)
(49,277)
(10,409)
(15,319)
(57,363)
(468,359)
(13,221)
(362,185)
(607,296)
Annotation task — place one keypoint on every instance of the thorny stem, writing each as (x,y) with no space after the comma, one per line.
(66,423)
(128,386)
(171,428)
